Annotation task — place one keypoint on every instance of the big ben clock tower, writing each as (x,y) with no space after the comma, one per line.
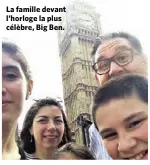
(82,26)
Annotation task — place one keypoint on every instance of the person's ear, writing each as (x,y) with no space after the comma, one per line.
(29,89)
(97,79)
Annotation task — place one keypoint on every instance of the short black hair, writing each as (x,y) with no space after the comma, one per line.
(16,54)
(120,87)
(81,152)
(134,41)
(29,146)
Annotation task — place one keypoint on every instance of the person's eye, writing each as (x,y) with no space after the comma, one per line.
(123,57)
(59,121)
(103,65)
(110,136)
(134,123)
(10,76)
(42,121)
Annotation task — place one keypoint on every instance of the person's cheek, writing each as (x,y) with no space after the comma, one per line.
(143,132)
(38,132)
(20,93)
(103,79)
(111,149)
(61,131)
(18,98)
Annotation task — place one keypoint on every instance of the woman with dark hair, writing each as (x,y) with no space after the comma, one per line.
(45,129)
(72,151)
(16,87)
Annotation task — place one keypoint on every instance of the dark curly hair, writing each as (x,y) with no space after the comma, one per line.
(30,147)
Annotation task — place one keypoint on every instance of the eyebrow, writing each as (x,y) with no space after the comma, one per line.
(100,58)
(48,117)
(133,116)
(10,67)
(120,48)
(127,119)
(105,130)
(42,116)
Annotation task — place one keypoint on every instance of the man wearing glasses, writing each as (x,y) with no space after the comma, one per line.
(114,54)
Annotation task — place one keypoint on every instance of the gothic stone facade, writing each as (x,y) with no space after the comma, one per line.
(82,26)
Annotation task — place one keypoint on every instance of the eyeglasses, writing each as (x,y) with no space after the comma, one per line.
(122,58)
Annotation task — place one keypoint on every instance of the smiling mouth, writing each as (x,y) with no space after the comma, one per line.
(5,103)
(139,156)
(50,137)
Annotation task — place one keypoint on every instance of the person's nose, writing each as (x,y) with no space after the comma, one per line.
(126,143)
(115,69)
(51,126)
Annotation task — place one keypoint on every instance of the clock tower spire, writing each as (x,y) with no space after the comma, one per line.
(82,26)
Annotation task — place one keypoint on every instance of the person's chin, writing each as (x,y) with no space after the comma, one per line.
(47,146)
(8,118)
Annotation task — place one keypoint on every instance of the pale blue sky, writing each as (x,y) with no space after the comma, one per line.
(41,48)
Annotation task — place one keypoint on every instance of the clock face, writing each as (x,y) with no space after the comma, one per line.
(86,20)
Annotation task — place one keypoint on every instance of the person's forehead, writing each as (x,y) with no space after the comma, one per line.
(120,108)
(112,44)
(133,103)
(7,58)
(49,110)
(10,63)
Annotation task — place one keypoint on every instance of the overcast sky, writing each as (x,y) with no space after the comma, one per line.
(41,48)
